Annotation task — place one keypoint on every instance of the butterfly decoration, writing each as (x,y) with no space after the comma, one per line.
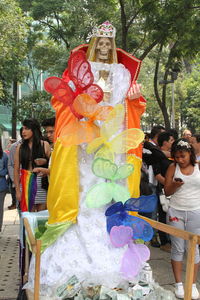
(110,142)
(84,131)
(135,255)
(76,80)
(117,214)
(104,192)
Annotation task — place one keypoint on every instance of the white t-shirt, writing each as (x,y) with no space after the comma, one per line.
(187,197)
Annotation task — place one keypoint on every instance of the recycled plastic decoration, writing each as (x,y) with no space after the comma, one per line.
(120,143)
(104,192)
(77,79)
(124,229)
(117,214)
(85,131)
(29,190)
(134,256)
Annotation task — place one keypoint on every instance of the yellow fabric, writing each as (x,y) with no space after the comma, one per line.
(63,193)
(134,178)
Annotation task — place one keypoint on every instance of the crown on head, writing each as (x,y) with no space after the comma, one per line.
(106,29)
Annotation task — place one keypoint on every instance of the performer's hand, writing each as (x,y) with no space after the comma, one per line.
(134,91)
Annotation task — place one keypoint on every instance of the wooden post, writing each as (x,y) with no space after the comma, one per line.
(31,237)
(192,239)
(190,267)
(37,270)
(25,277)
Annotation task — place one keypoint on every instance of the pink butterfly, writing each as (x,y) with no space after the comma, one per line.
(134,256)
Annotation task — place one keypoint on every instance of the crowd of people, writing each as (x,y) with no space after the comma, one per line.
(173,169)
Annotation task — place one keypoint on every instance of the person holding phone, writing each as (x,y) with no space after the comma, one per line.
(182,183)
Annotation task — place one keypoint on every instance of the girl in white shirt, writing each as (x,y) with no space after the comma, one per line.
(182,183)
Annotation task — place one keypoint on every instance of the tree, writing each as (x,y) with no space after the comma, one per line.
(12,51)
(190,117)
(36,105)
(167,31)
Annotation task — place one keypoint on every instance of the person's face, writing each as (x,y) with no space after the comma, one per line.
(49,132)
(195,144)
(27,133)
(169,143)
(182,158)
(103,48)
(187,135)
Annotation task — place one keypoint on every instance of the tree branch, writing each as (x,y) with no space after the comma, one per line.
(156,77)
(148,49)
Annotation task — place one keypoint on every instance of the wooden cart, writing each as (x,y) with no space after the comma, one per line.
(192,239)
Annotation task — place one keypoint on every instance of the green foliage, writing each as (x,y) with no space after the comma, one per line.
(153,115)
(50,57)
(13,25)
(162,33)
(191,102)
(36,105)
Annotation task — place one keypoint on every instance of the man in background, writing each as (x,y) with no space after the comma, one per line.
(160,166)
(11,157)
(148,161)
(49,127)
(187,134)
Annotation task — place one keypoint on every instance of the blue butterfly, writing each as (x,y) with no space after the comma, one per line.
(117,215)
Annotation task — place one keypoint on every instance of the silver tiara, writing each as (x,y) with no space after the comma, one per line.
(184,144)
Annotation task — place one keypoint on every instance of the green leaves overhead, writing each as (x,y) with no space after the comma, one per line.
(163,32)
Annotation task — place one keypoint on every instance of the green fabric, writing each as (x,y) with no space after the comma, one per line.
(52,232)
(40,230)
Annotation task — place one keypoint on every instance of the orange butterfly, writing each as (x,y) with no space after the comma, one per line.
(84,131)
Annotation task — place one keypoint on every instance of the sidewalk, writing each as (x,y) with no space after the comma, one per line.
(9,258)
(9,253)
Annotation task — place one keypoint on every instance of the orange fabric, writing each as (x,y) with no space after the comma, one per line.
(64,116)
(135,109)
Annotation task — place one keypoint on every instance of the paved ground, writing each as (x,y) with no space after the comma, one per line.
(9,255)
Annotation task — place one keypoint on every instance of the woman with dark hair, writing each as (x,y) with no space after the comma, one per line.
(33,152)
(3,181)
(182,183)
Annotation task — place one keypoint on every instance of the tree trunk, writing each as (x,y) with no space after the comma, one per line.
(124,25)
(14,110)
(166,117)
(161,101)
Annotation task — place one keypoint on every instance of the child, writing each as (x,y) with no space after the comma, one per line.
(182,182)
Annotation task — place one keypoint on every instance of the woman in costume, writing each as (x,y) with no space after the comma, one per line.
(84,249)
(31,153)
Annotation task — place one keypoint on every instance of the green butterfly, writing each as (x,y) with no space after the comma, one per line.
(103,193)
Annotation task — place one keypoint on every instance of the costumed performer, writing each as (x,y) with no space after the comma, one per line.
(84,250)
